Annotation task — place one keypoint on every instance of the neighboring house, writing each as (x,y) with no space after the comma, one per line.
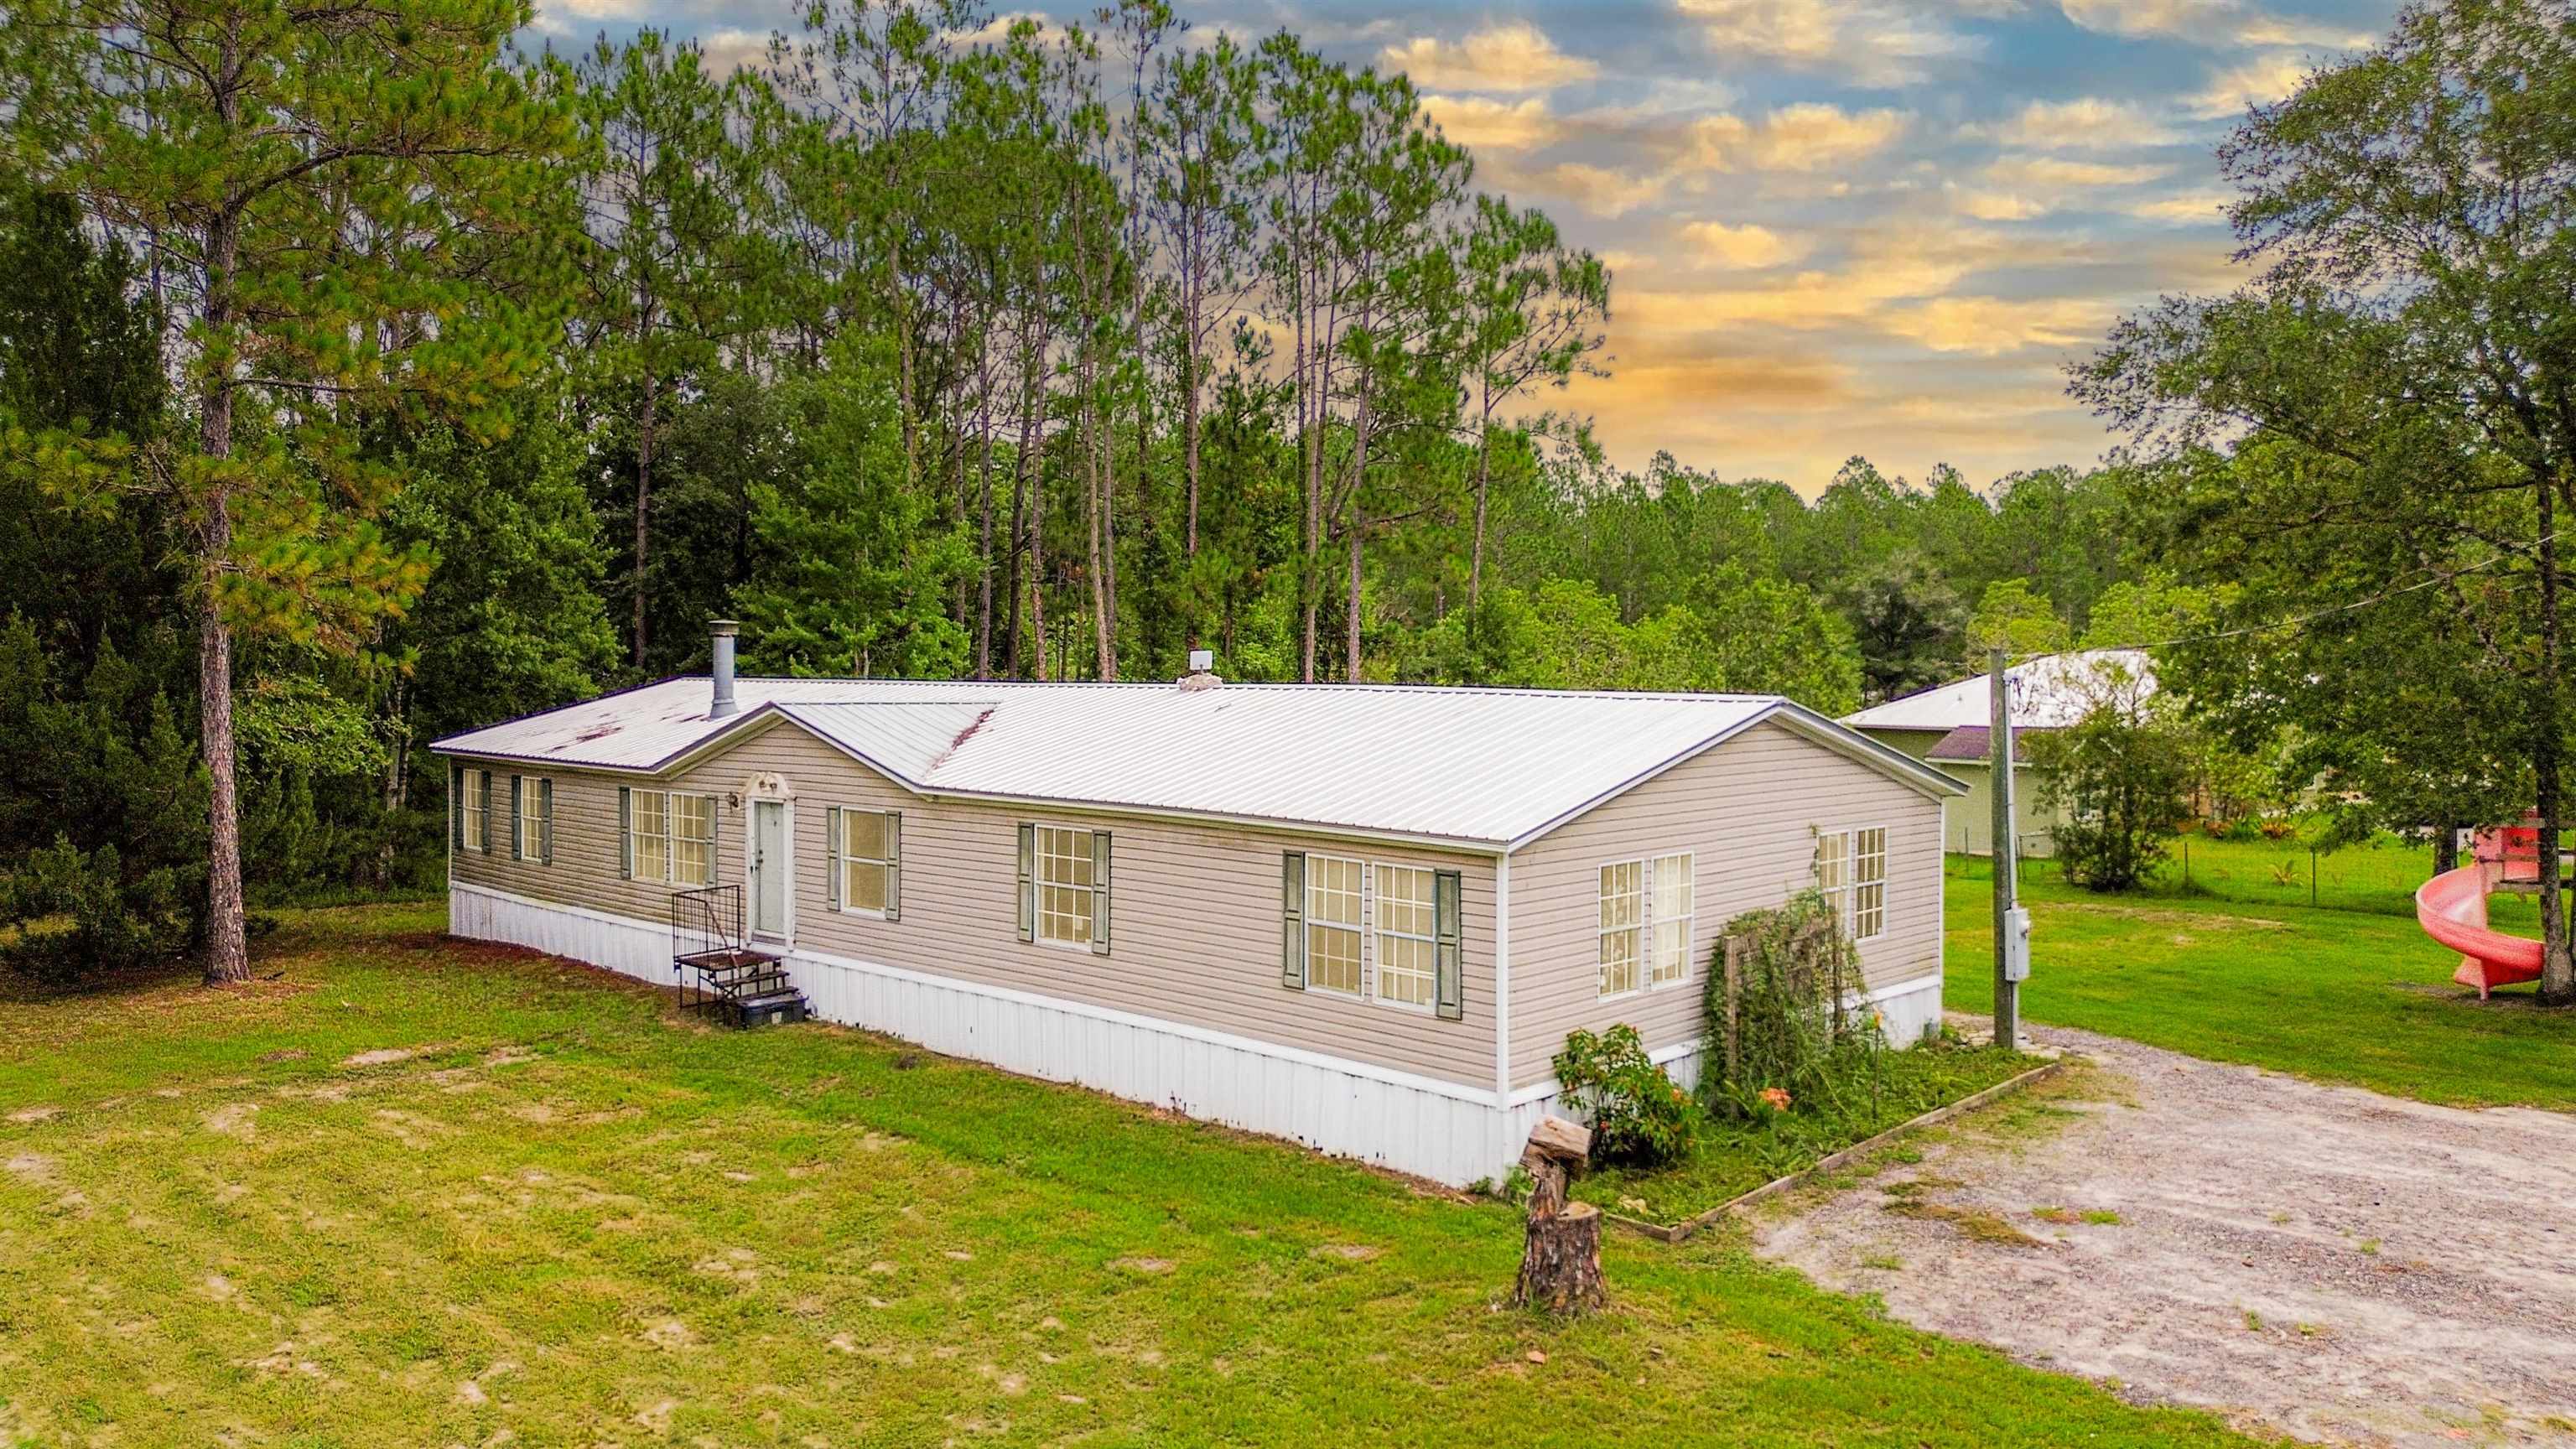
(1364,917)
(1950,728)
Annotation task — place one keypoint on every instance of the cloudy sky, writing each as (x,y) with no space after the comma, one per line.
(1836,226)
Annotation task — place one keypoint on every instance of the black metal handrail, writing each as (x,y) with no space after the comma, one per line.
(706,926)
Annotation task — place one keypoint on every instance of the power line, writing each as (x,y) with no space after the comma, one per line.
(2291,623)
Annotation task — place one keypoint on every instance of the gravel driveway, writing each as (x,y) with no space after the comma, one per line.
(2323,1261)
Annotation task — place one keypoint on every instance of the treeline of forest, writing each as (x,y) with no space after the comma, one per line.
(930,347)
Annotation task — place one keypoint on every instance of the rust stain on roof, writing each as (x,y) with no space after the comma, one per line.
(963,736)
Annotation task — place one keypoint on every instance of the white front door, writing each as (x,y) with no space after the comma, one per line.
(768,865)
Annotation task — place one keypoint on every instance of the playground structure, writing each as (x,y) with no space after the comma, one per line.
(2452,907)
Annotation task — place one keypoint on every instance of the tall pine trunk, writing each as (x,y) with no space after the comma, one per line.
(1476,550)
(1358,529)
(227,943)
(2557,966)
(644,500)
(984,540)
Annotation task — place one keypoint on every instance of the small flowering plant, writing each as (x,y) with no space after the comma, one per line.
(1638,1114)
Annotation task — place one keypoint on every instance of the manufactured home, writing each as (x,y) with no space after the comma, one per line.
(1362,917)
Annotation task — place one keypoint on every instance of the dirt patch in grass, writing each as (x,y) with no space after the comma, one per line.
(1974,1224)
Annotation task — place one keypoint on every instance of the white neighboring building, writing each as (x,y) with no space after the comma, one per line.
(1949,726)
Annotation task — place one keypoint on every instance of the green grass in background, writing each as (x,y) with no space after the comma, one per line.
(572,1217)
(2337,995)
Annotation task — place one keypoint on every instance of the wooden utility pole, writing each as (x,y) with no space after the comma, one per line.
(1999,744)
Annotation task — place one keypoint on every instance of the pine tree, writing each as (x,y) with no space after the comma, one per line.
(319,187)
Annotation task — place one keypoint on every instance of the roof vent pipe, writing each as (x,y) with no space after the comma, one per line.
(723,704)
(1201,675)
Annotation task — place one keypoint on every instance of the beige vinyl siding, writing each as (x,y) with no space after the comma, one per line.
(1195,923)
(1748,811)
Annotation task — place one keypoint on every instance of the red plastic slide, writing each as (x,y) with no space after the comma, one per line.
(2452,908)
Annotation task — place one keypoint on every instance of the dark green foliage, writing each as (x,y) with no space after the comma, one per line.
(2117,776)
(102,815)
(1639,1116)
(849,572)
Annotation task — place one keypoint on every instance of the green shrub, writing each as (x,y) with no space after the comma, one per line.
(1639,1116)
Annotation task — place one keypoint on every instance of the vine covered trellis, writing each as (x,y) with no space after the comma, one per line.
(1784,1019)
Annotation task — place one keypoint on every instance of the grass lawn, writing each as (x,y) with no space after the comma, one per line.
(2379,875)
(414,1192)
(2337,995)
(1733,1158)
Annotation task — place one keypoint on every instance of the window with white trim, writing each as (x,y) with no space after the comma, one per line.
(1334,892)
(478,790)
(693,839)
(1851,874)
(1648,909)
(865,853)
(1064,886)
(536,819)
(671,837)
(1622,928)
(649,823)
(1672,907)
(1869,883)
(1408,969)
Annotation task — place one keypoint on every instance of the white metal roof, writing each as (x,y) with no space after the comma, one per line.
(2048,693)
(1489,767)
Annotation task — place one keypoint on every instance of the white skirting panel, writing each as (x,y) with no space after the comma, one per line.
(620,943)
(1445,1131)
(1440,1130)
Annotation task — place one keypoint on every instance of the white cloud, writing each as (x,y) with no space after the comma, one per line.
(1992,325)
(2084,124)
(1477,122)
(1808,136)
(2063,174)
(1508,58)
(2207,22)
(1868,43)
(1987,205)
(590,10)
(1744,247)
(1597,189)
(2257,82)
(2189,208)
(998,29)
(728,51)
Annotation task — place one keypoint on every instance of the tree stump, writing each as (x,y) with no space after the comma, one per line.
(1561,1251)
(1561,1261)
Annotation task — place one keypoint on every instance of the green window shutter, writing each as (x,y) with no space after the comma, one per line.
(1450,989)
(483,792)
(625,833)
(1292,918)
(518,842)
(715,834)
(455,805)
(894,865)
(1100,893)
(1028,881)
(832,840)
(545,822)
